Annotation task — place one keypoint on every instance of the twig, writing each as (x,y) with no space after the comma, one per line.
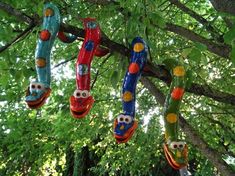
(64,62)
(17,39)
(97,73)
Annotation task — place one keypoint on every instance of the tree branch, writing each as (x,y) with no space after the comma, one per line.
(64,62)
(227,6)
(207,91)
(222,50)
(197,17)
(214,156)
(17,39)
(18,14)
(97,73)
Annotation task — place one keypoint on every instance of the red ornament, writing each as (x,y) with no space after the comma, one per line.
(177,93)
(100,51)
(134,68)
(45,35)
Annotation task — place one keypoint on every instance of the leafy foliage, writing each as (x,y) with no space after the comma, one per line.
(49,141)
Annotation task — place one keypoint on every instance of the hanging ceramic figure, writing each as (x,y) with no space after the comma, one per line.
(176,150)
(81,101)
(125,124)
(39,90)
(66,38)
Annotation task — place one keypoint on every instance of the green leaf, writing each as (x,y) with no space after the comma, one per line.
(114,79)
(3,65)
(18,75)
(170,63)
(189,76)
(186,52)
(229,36)
(195,55)
(200,46)
(26,72)
(158,20)
(4,80)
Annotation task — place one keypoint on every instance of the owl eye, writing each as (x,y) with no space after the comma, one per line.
(128,119)
(181,145)
(77,93)
(40,86)
(33,86)
(85,94)
(173,145)
(120,118)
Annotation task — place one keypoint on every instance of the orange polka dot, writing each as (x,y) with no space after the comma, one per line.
(138,47)
(171,118)
(127,96)
(48,12)
(41,62)
(134,68)
(45,35)
(179,71)
(177,93)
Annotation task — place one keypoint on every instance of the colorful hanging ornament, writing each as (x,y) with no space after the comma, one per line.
(66,38)
(39,91)
(176,151)
(81,101)
(125,124)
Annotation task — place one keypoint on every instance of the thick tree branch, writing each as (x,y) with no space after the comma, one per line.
(222,50)
(227,6)
(197,17)
(214,156)
(18,14)
(153,70)
(207,91)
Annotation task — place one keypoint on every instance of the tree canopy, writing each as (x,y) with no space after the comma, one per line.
(49,141)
